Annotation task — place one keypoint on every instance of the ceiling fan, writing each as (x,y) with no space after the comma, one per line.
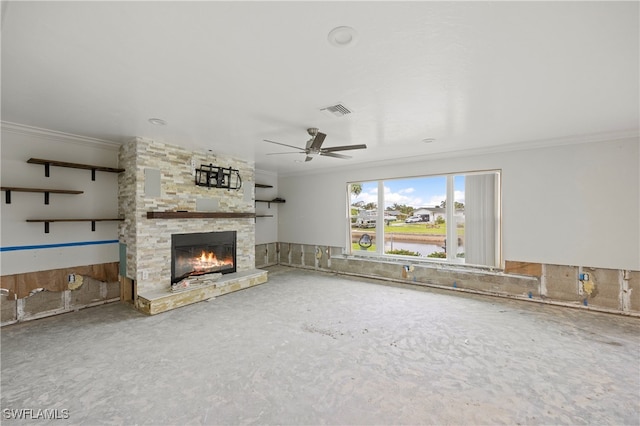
(314,147)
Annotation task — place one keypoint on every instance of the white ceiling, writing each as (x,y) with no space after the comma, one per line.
(226,75)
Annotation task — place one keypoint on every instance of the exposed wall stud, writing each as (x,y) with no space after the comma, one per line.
(625,291)
(20,309)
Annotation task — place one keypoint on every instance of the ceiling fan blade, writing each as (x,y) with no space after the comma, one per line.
(309,158)
(331,154)
(343,148)
(279,153)
(317,141)
(284,144)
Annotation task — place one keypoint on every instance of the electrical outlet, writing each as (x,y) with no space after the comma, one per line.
(145,275)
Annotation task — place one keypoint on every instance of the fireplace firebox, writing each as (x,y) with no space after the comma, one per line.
(202,253)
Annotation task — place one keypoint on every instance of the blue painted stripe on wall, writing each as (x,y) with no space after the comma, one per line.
(46,246)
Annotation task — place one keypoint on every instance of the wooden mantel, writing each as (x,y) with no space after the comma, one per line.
(197,215)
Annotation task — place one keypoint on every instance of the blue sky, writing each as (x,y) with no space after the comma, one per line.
(415,192)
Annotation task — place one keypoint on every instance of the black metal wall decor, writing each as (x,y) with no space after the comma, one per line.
(218,177)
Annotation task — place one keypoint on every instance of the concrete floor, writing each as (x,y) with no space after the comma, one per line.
(313,348)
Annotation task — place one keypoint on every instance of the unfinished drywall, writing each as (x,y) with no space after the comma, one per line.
(56,280)
(83,292)
(267,254)
(606,290)
(571,204)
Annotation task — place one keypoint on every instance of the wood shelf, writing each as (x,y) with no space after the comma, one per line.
(9,189)
(275,200)
(56,163)
(262,185)
(198,215)
(93,222)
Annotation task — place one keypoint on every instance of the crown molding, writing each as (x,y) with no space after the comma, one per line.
(52,135)
(554,142)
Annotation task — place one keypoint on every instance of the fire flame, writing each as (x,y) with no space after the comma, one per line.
(208,262)
(207,258)
(204,263)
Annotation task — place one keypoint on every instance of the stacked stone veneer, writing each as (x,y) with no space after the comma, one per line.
(148,241)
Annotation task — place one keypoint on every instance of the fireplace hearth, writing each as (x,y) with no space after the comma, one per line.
(202,253)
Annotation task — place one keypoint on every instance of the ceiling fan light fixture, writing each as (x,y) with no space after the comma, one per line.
(342,36)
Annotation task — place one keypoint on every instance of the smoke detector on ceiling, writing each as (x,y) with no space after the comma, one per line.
(342,36)
(337,110)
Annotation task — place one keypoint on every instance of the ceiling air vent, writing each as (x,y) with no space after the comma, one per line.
(337,110)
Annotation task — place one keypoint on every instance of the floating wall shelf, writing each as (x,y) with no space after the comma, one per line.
(9,189)
(198,215)
(275,200)
(93,222)
(93,169)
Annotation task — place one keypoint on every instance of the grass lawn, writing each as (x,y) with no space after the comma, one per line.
(416,228)
(355,248)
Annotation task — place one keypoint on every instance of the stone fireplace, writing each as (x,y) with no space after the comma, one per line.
(159,200)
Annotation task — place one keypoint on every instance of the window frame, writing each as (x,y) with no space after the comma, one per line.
(451,234)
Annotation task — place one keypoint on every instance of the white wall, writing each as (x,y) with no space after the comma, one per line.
(588,194)
(266,227)
(99,200)
(575,204)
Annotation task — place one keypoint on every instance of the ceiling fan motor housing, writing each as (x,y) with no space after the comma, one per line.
(314,146)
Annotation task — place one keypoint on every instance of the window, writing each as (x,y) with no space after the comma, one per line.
(454,218)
